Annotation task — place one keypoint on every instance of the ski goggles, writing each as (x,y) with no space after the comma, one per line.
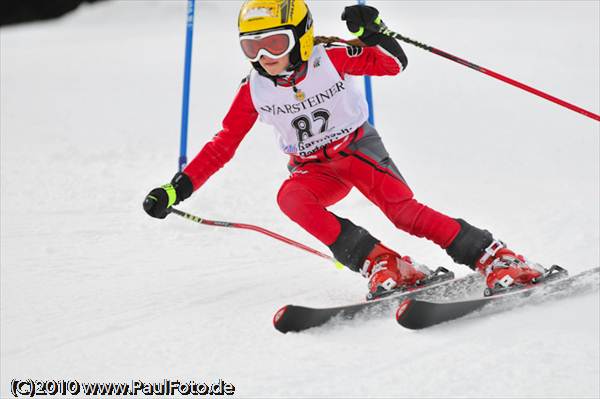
(274,44)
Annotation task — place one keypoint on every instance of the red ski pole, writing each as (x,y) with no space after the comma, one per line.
(383,29)
(257,229)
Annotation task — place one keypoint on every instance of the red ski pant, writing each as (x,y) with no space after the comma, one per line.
(315,185)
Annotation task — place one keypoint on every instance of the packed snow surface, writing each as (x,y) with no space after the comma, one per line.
(95,290)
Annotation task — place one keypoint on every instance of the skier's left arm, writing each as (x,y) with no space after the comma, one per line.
(382,55)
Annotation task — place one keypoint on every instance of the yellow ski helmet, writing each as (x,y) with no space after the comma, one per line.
(257,16)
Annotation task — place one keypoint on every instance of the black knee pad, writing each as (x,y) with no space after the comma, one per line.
(352,245)
(469,244)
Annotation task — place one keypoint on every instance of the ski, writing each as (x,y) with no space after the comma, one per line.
(442,284)
(417,314)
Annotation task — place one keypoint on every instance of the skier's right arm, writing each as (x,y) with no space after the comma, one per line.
(214,155)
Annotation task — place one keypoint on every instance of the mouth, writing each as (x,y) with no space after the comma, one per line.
(269,61)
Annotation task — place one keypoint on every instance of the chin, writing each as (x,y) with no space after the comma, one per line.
(273,70)
(274,73)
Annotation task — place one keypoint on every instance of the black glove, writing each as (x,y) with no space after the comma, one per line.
(364,22)
(159,200)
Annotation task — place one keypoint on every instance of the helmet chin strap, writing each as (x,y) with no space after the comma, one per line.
(287,72)
(295,59)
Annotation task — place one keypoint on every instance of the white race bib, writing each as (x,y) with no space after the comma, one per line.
(332,107)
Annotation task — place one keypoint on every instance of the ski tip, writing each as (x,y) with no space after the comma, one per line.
(277,319)
(402,308)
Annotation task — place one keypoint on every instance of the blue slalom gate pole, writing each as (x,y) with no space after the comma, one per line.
(369,94)
(186,84)
(369,90)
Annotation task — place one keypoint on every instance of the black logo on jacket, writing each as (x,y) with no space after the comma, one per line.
(354,51)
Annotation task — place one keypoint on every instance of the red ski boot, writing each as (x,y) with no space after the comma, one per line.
(387,271)
(503,268)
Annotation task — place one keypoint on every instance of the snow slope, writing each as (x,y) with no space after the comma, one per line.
(93,289)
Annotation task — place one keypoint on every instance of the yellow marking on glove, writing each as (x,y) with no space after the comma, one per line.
(171,193)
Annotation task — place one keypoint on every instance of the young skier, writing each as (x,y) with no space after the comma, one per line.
(320,120)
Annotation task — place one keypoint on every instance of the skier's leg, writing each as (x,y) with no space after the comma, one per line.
(376,176)
(304,198)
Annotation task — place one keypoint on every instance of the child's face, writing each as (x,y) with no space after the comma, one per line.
(274,66)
